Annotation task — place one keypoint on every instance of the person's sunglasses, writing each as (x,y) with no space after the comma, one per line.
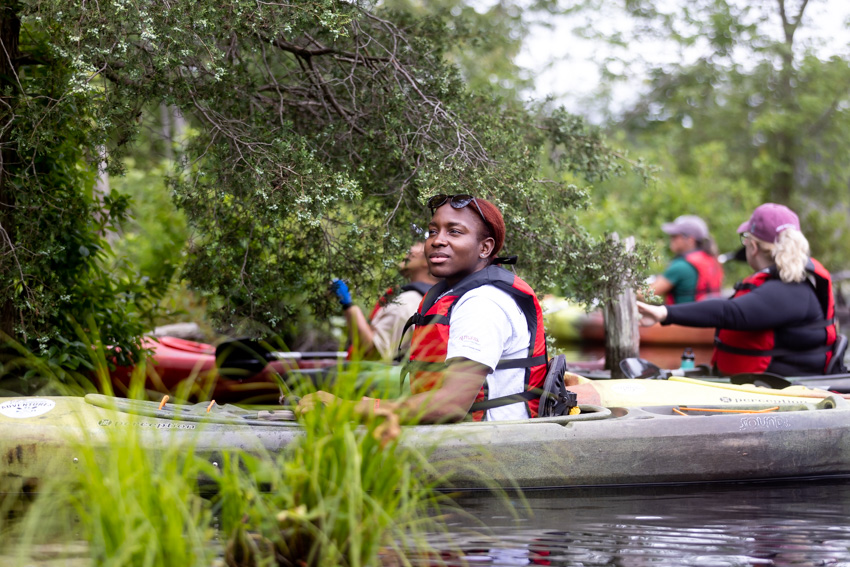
(457,202)
(745,236)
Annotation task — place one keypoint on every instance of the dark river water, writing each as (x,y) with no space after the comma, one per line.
(801,523)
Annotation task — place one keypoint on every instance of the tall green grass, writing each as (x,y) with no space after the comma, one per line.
(335,497)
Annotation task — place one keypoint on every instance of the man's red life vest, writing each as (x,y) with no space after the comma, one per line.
(752,351)
(431,335)
(709,275)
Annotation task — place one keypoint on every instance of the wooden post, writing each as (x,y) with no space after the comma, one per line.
(621,325)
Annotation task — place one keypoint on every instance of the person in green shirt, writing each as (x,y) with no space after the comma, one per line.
(682,280)
(694,273)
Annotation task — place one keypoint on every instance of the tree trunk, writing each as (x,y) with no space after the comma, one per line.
(10,28)
(621,326)
(782,185)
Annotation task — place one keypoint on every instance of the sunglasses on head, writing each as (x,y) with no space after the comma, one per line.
(456,201)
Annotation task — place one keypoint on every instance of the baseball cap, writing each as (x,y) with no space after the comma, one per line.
(687,225)
(768,220)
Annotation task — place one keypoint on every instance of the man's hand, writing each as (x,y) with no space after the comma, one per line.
(390,429)
(310,401)
(340,289)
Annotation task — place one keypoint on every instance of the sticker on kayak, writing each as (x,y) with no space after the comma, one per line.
(630,387)
(26,408)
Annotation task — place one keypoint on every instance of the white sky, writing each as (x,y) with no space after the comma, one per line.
(563,65)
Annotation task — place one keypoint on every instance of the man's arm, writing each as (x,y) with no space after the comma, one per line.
(661,286)
(359,331)
(449,403)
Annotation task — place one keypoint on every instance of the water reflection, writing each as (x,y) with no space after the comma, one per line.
(727,525)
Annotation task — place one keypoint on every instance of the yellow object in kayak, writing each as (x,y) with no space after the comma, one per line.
(688,391)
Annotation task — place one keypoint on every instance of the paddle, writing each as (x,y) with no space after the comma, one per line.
(765,379)
(739,255)
(252,355)
(640,368)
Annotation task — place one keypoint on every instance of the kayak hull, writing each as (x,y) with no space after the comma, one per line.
(808,436)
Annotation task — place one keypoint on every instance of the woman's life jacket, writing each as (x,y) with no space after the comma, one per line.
(420,287)
(736,352)
(431,335)
(709,275)
(388,296)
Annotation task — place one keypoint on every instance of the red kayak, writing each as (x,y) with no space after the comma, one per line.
(188,369)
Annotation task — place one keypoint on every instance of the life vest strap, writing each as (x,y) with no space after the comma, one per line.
(419,319)
(525,396)
(526,362)
(510,363)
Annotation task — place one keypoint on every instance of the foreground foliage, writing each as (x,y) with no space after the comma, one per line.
(337,498)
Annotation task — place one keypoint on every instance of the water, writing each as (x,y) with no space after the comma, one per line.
(802,523)
(805,523)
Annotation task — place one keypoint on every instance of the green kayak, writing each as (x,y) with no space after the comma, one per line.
(673,432)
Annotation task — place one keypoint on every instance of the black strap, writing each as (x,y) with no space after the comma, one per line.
(420,287)
(562,403)
(505,260)
(527,362)
(510,363)
(525,396)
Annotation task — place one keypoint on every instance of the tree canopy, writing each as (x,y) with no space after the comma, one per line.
(749,82)
(319,130)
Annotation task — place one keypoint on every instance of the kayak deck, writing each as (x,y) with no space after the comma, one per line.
(601,446)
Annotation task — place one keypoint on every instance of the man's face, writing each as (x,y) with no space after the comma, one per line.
(455,247)
(414,261)
(679,243)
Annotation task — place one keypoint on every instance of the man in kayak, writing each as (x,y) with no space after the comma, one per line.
(694,273)
(379,337)
(780,318)
(479,332)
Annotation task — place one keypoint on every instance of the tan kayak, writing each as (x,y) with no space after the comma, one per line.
(654,431)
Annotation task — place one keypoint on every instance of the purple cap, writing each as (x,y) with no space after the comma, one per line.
(687,225)
(768,220)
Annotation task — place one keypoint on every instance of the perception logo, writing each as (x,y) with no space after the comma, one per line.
(146,424)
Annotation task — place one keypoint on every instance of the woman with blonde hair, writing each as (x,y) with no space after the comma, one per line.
(780,318)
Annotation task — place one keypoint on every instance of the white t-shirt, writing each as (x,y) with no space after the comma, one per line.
(486,326)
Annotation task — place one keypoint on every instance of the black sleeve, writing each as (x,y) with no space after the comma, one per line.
(773,304)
